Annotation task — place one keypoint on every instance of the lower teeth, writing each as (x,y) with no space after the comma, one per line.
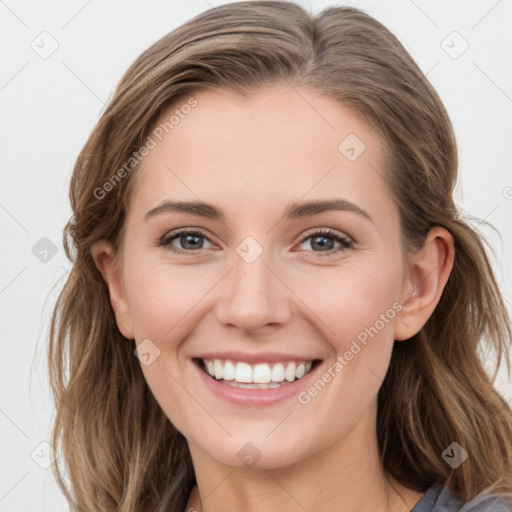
(270,385)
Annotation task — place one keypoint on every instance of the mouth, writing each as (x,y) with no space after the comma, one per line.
(260,376)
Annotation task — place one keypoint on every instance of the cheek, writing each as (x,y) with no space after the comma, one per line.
(357,305)
(352,299)
(162,296)
(166,301)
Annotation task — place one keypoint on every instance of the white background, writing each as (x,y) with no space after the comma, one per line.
(49,107)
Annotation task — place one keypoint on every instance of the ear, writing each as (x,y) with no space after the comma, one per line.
(105,259)
(430,268)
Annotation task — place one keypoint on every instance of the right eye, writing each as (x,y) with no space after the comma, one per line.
(189,240)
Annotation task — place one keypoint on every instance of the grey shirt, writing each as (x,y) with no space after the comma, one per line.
(439,499)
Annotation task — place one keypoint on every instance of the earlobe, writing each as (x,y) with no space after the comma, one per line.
(430,268)
(105,259)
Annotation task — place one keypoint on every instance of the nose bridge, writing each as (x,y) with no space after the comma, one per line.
(253,296)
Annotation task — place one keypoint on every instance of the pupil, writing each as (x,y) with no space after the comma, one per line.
(322,245)
(187,239)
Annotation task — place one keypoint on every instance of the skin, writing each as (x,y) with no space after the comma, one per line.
(252,157)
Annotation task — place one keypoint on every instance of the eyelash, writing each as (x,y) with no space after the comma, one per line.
(345,242)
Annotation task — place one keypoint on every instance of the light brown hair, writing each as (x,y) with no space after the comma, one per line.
(120,450)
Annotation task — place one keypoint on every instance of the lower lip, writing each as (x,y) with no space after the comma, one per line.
(255,397)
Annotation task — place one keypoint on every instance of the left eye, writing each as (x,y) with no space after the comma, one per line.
(325,240)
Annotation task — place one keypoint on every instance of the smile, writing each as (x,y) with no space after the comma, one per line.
(256,376)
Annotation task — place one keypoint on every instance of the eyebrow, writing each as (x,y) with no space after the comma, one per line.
(296,210)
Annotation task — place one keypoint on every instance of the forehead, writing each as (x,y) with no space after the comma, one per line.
(279,144)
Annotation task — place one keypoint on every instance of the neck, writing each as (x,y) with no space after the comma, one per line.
(346,476)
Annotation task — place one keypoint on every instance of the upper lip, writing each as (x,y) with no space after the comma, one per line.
(263,357)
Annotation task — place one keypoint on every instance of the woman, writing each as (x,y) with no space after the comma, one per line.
(274,302)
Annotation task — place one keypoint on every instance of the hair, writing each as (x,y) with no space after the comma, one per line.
(120,450)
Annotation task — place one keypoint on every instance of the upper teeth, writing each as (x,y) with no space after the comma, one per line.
(261,373)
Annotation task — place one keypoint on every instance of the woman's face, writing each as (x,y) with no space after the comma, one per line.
(264,284)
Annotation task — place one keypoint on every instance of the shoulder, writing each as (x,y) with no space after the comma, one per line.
(487,503)
(441,499)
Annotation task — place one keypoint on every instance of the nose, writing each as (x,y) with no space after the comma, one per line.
(253,298)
